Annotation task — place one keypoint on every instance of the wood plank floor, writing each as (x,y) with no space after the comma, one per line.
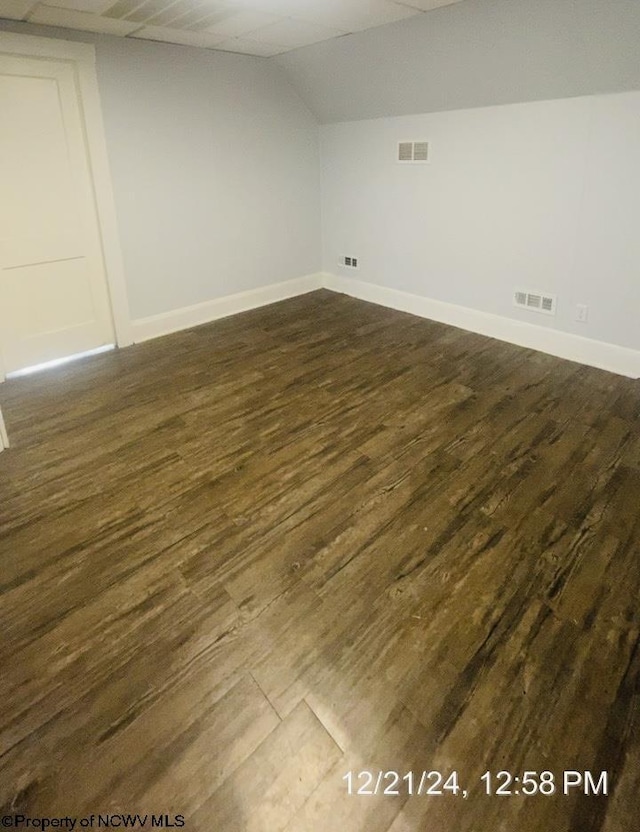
(322,537)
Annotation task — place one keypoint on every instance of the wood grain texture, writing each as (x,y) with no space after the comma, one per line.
(240,561)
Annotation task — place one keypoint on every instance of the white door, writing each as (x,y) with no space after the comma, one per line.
(54,300)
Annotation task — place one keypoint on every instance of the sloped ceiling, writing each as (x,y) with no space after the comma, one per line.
(473,54)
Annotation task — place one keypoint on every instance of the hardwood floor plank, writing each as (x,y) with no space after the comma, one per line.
(240,561)
(276,780)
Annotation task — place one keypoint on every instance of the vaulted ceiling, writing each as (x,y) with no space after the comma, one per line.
(253,27)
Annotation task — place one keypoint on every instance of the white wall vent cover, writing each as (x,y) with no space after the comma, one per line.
(535,301)
(349,262)
(413,152)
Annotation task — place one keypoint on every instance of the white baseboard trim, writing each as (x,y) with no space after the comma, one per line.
(154,326)
(604,356)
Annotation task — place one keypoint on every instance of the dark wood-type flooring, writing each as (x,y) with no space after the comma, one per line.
(238,562)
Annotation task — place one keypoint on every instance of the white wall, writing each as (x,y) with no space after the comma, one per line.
(215,168)
(214,161)
(472,54)
(541,195)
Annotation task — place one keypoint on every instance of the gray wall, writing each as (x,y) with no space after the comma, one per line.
(473,54)
(215,169)
(533,116)
(541,196)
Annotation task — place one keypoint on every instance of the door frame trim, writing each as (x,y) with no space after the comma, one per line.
(83,58)
(4,439)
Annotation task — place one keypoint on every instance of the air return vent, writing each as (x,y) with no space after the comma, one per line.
(535,301)
(413,152)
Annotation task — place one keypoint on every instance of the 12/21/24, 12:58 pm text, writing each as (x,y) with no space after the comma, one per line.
(367,783)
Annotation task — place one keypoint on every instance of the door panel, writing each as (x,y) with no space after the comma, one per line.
(53,292)
(48,328)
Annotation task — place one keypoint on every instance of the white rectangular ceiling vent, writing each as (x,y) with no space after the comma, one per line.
(413,152)
(535,301)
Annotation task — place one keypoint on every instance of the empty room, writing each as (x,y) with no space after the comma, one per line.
(319,415)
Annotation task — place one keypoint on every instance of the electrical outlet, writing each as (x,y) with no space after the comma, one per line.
(349,262)
(582,313)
